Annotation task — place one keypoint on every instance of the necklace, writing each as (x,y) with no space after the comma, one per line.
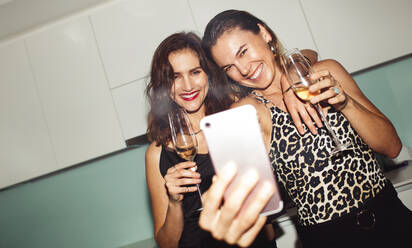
(198,131)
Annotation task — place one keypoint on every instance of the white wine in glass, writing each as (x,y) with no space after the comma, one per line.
(297,69)
(187,153)
(183,137)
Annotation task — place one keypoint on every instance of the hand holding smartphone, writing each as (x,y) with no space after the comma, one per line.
(234,137)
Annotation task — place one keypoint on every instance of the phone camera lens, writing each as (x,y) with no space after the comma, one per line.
(207,124)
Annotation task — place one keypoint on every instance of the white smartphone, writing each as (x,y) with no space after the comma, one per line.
(234,136)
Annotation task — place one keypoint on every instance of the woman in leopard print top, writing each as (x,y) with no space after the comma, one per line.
(322,187)
(342,201)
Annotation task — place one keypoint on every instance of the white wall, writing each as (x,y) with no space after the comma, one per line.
(25,143)
(360,34)
(82,65)
(18,16)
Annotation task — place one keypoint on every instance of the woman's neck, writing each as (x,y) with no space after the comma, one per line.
(195,118)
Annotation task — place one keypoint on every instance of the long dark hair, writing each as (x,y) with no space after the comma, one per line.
(218,98)
(232,19)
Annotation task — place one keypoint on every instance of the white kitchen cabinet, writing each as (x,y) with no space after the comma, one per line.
(132,106)
(405,194)
(285,18)
(25,145)
(84,75)
(72,86)
(128,33)
(286,235)
(360,34)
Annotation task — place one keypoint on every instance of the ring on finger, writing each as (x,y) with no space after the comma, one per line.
(336,89)
(187,189)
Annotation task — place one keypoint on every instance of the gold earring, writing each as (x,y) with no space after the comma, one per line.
(272,47)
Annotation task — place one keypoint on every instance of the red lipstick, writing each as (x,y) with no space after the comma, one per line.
(192,96)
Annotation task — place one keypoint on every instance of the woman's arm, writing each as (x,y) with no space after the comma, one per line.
(298,110)
(223,221)
(371,124)
(167,195)
(167,216)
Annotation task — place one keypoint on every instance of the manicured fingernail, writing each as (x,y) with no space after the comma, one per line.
(267,189)
(229,169)
(250,177)
(214,178)
(193,168)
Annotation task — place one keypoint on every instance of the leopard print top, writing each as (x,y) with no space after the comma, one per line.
(322,188)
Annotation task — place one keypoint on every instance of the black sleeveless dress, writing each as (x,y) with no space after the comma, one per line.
(193,236)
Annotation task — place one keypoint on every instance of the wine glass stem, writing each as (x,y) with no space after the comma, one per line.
(197,186)
(198,191)
(326,123)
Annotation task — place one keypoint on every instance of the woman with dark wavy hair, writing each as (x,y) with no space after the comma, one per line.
(343,201)
(182,77)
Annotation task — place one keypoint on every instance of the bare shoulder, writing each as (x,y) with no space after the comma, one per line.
(248,100)
(331,65)
(153,149)
(153,155)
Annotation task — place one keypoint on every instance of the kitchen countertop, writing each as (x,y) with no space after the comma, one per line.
(400,176)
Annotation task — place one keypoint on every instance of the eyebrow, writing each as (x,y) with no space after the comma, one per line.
(237,53)
(196,68)
(191,70)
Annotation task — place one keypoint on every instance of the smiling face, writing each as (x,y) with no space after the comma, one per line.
(190,84)
(246,57)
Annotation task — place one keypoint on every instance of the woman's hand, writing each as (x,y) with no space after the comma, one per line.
(348,98)
(178,177)
(299,110)
(330,90)
(224,221)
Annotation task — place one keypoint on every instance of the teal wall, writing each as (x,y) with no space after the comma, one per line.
(104,203)
(389,87)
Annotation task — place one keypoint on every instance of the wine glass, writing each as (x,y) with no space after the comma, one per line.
(183,137)
(297,69)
